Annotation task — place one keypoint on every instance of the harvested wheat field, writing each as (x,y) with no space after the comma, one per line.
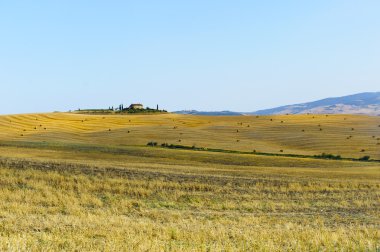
(90,183)
(346,135)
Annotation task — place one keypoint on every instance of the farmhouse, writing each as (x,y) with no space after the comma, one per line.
(136,106)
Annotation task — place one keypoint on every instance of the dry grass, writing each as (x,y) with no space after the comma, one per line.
(163,201)
(90,189)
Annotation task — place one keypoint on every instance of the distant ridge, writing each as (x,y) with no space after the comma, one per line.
(363,103)
(360,104)
(210,113)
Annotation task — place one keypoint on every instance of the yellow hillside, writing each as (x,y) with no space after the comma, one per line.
(346,135)
(72,182)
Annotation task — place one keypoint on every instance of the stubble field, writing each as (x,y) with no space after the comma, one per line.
(86,182)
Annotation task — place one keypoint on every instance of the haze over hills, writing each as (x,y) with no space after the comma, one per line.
(209,113)
(363,103)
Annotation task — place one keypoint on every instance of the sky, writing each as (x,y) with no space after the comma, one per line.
(204,55)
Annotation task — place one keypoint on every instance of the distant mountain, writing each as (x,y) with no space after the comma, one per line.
(363,103)
(209,113)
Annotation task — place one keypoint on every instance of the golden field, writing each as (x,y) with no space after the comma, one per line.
(349,136)
(89,183)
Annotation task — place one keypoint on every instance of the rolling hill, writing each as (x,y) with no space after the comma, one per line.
(209,113)
(360,104)
(83,182)
(349,136)
(363,103)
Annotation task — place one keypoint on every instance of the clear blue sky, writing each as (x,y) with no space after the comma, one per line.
(206,55)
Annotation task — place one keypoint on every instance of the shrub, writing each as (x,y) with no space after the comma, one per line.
(328,156)
(364,158)
(152,144)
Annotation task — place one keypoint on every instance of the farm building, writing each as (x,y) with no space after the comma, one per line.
(136,106)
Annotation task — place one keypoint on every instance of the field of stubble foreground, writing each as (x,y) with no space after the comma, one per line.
(167,182)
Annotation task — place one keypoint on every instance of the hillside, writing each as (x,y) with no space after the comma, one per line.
(81,198)
(209,113)
(74,182)
(363,103)
(349,136)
